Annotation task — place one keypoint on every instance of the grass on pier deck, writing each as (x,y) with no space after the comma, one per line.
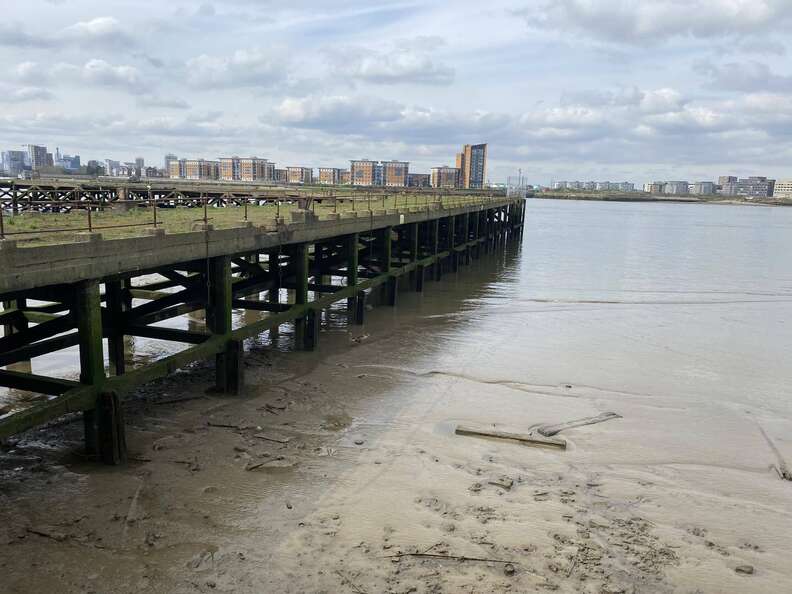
(31,228)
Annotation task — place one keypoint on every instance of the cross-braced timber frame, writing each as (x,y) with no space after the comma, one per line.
(94,295)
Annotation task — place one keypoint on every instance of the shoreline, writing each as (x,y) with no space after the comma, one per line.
(658,199)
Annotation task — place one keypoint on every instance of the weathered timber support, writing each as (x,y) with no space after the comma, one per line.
(299,263)
(111,433)
(435,248)
(116,305)
(360,308)
(273,294)
(352,264)
(420,275)
(386,252)
(87,312)
(413,237)
(392,287)
(451,242)
(312,325)
(228,362)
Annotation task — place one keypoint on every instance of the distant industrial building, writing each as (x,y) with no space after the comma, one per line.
(472,165)
(703,188)
(299,175)
(749,187)
(418,180)
(676,188)
(605,186)
(783,189)
(445,177)
(14,162)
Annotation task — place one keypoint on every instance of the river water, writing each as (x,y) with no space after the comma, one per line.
(674,316)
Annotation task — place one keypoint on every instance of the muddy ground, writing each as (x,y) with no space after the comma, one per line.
(339,471)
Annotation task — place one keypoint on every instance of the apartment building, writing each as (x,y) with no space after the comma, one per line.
(37,156)
(783,189)
(363,172)
(299,175)
(394,174)
(281,176)
(345,177)
(201,169)
(472,165)
(445,177)
(419,180)
(229,168)
(330,176)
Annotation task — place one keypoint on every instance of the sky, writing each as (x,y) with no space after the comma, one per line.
(562,89)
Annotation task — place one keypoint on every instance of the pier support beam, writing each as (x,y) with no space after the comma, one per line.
(360,308)
(116,305)
(273,295)
(435,247)
(228,363)
(299,261)
(104,432)
(352,267)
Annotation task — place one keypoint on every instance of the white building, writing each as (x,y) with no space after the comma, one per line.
(783,189)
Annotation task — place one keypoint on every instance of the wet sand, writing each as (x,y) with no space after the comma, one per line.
(339,470)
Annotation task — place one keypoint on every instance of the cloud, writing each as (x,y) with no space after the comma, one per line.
(149,100)
(751,76)
(245,68)
(102,30)
(24,94)
(93,72)
(635,21)
(99,72)
(402,65)
(341,114)
(14,35)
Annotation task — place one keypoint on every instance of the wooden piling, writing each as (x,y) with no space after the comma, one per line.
(228,362)
(299,262)
(116,305)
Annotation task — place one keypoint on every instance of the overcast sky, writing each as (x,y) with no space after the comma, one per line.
(565,89)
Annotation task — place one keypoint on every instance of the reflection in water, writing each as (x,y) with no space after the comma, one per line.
(639,298)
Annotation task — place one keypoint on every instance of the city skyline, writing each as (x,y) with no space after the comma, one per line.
(630,90)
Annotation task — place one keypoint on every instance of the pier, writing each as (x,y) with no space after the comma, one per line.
(93,292)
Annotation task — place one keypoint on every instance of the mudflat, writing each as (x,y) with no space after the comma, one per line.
(341,470)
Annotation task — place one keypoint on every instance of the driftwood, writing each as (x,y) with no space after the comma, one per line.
(781,468)
(451,557)
(270,438)
(526,438)
(550,430)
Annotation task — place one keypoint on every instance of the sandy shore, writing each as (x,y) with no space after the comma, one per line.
(334,469)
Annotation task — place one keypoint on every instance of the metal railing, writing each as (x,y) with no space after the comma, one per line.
(370,202)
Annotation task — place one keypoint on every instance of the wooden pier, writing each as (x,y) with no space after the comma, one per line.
(90,293)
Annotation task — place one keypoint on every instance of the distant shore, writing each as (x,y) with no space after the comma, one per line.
(670,199)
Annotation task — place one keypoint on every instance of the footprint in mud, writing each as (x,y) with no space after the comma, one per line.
(439,507)
(336,422)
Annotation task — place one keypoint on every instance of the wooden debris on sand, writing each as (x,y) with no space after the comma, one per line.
(530,438)
(781,468)
(550,430)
